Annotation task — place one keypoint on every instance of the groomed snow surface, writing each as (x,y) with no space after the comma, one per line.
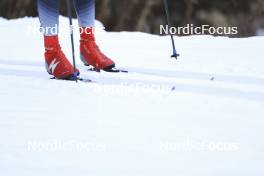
(199,116)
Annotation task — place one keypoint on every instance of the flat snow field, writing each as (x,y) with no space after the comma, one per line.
(201,115)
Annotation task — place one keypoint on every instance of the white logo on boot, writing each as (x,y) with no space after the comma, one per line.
(53,66)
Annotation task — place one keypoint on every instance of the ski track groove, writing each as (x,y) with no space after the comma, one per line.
(105,78)
(164,73)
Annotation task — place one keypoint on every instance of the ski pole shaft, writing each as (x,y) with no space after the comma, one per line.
(69,7)
(166,6)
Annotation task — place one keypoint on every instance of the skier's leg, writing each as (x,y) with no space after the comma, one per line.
(90,53)
(48,11)
(86,12)
(56,62)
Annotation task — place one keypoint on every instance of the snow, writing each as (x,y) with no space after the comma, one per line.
(201,115)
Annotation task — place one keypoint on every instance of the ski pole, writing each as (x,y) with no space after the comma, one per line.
(69,7)
(166,6)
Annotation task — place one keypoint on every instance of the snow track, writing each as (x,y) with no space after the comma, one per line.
(250,88)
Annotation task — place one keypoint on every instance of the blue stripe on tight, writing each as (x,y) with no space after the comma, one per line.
(85,12)
(49,12)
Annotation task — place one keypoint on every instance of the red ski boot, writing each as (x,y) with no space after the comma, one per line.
(90,52)
(56,62)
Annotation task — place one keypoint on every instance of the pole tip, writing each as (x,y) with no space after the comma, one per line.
(175,55)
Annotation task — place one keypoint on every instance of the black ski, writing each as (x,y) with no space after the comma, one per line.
(75,79)
(112,70)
